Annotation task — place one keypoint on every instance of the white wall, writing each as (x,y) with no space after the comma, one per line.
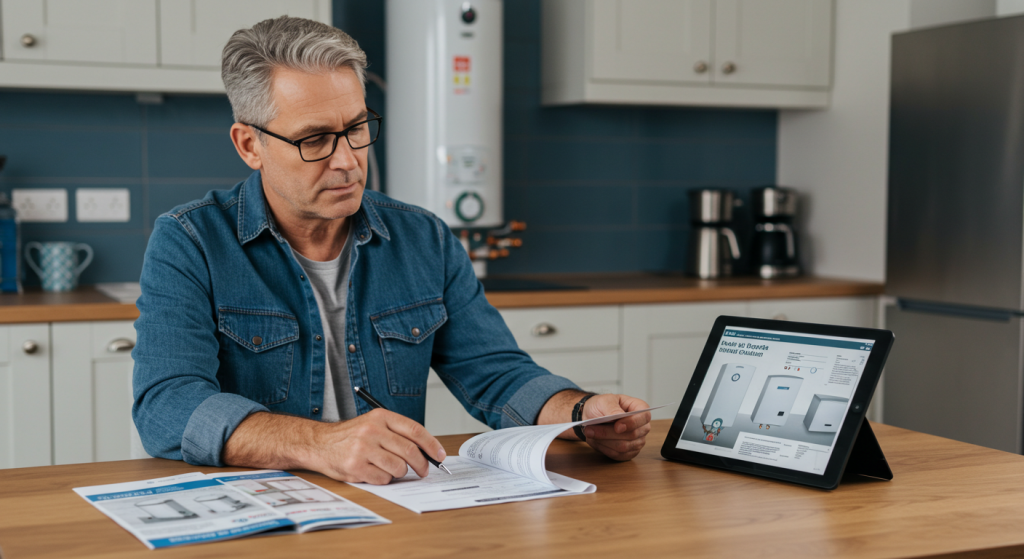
(838,158)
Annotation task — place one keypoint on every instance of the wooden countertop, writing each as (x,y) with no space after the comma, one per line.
(85,303)
(947,499)
(635,288)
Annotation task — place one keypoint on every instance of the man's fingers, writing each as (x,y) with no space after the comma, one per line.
(416,433)
(607,431)
(610,450)
(389,462)
(407,451)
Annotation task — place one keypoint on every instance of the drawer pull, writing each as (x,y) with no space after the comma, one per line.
(30,347)
(120,345)
(544,329)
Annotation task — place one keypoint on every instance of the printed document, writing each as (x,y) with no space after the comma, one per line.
(196,508)
(500,466)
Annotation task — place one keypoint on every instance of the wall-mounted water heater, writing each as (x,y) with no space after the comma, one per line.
(776,400)
(825,414)
(727,394)
(444,108)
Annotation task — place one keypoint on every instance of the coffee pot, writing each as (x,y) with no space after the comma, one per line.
(775,252)
(713,245)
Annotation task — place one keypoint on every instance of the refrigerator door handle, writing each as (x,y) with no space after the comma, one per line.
(965,311)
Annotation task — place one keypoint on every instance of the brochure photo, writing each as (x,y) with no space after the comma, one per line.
(775,398)
(196,508)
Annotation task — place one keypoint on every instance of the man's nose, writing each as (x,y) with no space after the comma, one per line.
(344,156)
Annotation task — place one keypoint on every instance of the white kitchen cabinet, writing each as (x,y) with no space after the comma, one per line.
(25,396)
(630,44)
(92,391)
(737,53)
(165,46)
(87,31)
(661,345)
(842,311)
(193,32)
(785,43)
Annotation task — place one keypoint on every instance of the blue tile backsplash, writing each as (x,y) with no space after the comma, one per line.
(601,188)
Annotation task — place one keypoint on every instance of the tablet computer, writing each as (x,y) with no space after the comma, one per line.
(779,399)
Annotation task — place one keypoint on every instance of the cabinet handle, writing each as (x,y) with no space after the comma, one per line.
(30,347)
(728,68)
(700,67)
(28,40)
(544,329)
(780,316)
(120,345)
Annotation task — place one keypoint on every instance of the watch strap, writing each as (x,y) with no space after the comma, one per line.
(577,415)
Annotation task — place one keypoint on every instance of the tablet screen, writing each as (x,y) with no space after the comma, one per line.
(775,398)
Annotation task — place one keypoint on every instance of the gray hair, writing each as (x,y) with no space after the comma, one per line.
(251,55)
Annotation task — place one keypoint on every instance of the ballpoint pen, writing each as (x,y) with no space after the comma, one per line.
(362,393)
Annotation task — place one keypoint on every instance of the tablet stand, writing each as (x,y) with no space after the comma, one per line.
(866,458)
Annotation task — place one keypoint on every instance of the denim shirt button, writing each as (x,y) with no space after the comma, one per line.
(351,348)
(256,340)
(415,331)
(316,411)
(302,277)
(319,337)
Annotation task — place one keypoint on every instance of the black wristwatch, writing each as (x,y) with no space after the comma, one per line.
(577,415)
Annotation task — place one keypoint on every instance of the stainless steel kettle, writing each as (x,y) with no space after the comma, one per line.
(713,245)
(712,252)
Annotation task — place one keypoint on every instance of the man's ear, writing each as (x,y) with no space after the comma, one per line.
(245,140)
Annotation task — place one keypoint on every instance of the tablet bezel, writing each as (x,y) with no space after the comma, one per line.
(843,444)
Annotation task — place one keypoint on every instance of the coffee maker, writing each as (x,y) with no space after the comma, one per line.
(774,250)
(713,245)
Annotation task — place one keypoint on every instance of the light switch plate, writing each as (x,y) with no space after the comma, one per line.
(41,204)
(102,204)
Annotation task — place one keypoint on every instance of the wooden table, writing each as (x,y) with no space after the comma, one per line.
(947,498)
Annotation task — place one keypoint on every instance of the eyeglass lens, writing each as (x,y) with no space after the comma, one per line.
(319,147)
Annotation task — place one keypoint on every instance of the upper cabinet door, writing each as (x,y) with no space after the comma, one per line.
(103,31)
(651,40)
(193,32)
(773,42)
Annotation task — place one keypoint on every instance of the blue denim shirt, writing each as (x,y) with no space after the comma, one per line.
(229,325)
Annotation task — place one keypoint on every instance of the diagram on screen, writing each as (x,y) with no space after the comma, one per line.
(776,401)
(725,399)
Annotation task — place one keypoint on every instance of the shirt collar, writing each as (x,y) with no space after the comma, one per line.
(254,217)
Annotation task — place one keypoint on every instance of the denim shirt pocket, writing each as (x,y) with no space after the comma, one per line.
(406,340)
(256,362)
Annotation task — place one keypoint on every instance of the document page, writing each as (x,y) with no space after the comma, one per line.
(183,509)
(309,506)
(494,467)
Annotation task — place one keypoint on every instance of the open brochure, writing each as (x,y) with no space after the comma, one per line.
(500,466)
(197,508)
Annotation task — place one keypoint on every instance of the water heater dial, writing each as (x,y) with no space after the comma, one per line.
(469,207)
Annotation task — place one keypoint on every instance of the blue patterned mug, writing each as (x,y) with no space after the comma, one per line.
(58,266)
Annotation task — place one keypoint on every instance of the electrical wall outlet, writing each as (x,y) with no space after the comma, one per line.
(102,204)
(41,204)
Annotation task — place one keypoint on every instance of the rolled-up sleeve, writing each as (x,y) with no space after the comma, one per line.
(179,409)
(477,357)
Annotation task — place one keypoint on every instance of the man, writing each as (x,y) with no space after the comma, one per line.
(264,306)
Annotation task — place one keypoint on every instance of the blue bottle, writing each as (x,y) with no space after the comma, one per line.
(10,247)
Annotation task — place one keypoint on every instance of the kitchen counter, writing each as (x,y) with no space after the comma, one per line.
(638,288)
(85,303)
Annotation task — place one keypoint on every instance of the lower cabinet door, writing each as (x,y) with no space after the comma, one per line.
(445,414)
(25,396)
(92,392)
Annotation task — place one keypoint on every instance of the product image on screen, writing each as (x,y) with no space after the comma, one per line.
(775,398)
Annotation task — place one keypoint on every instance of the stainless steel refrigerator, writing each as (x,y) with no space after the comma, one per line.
(956,233)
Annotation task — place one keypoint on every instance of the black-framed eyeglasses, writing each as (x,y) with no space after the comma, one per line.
(322,145)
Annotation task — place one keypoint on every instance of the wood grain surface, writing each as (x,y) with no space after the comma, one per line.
(634,288)
(84,303)
(947,499)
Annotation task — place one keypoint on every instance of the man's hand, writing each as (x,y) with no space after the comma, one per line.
(623,439)
(372,448)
